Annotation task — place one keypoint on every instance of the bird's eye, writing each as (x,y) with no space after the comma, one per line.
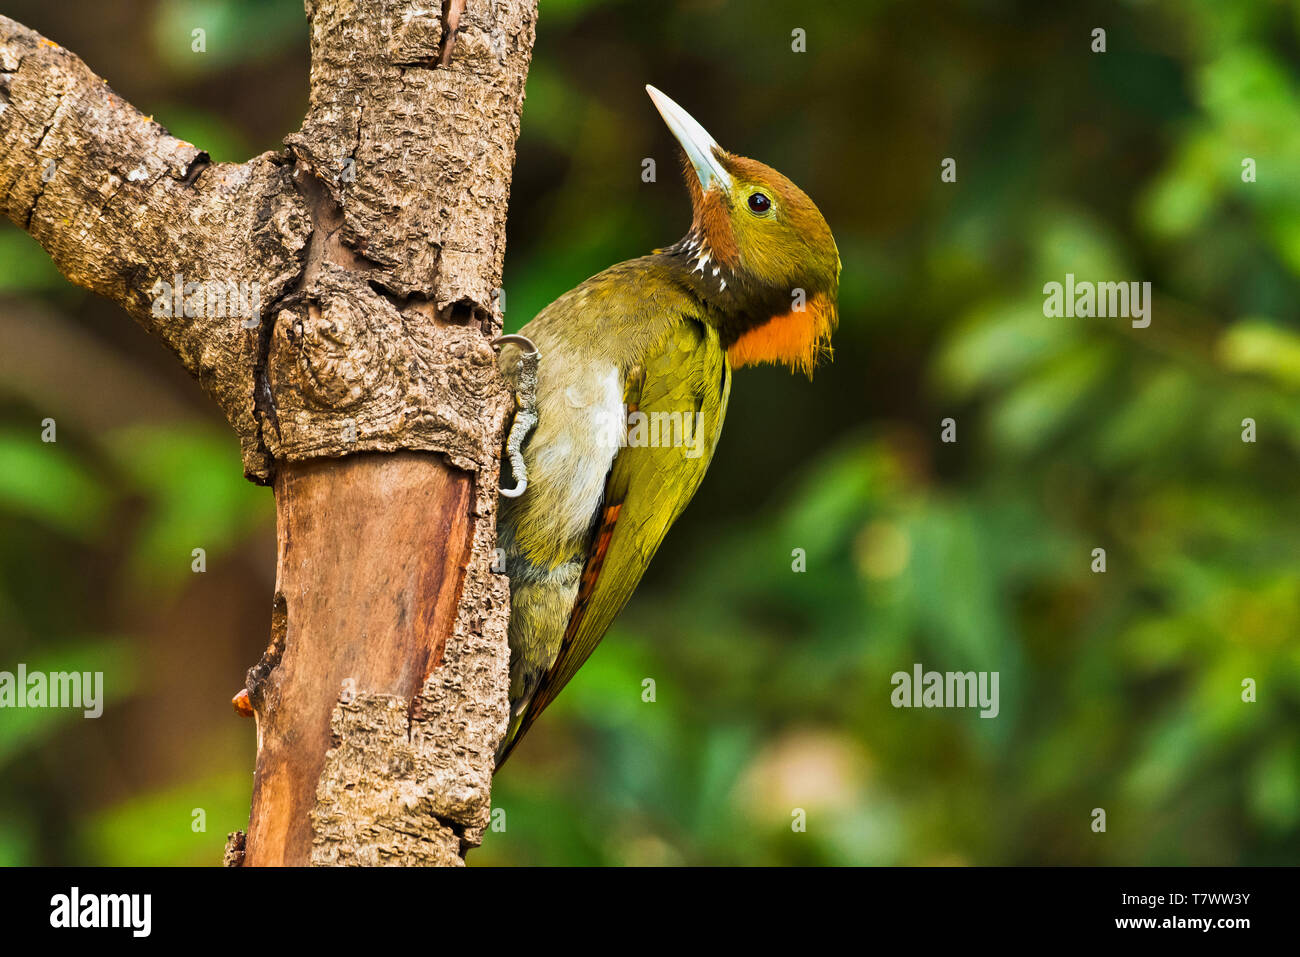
(759,203)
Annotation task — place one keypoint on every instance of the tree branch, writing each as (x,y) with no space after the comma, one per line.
(374,248)
(121,206)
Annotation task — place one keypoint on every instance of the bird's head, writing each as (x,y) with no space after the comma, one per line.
(759,249)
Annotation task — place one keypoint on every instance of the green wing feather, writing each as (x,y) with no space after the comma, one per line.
(647,489)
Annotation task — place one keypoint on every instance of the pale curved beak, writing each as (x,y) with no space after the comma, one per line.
(695,140)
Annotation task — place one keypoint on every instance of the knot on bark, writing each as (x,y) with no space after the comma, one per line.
(340,358)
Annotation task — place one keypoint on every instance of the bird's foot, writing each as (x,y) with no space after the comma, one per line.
(522,375)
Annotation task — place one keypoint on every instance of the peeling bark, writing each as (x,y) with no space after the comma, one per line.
(374,244)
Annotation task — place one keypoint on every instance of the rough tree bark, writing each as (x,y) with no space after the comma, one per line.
(364,389)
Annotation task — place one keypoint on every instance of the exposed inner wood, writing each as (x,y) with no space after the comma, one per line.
(372,550)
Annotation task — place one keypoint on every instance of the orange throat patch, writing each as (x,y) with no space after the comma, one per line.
(797,338)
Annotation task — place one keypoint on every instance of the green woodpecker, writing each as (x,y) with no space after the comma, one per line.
(632,387)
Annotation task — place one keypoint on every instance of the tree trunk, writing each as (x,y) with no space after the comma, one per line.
(357,373)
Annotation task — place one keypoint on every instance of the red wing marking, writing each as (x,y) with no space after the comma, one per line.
(595,562)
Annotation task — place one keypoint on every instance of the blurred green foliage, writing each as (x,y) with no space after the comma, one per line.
(1120,690)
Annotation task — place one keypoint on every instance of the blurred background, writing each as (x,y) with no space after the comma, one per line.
(1120,691)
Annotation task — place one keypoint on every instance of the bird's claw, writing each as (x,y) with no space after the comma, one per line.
(524,380)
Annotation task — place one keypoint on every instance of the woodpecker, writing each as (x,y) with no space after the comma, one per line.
(632,386)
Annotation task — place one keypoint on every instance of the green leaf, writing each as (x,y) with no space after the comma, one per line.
(157,829)
(41,481)
(1256,345)
(24,728)
(197,497)
(27,267)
